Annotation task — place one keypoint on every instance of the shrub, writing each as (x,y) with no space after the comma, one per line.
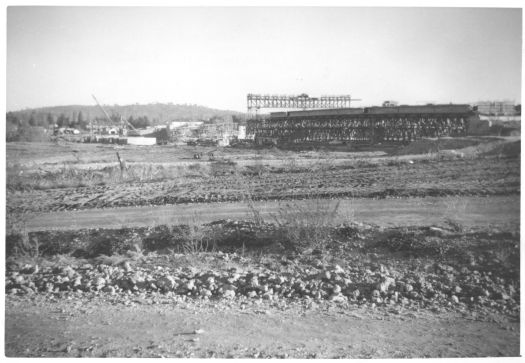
(307,224)
(18,240)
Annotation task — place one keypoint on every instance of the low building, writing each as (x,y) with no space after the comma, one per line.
(192,125)
(241,135)
(142,141)
(496,108)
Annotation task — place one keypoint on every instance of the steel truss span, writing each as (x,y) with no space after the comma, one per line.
(301,101)
(369,125)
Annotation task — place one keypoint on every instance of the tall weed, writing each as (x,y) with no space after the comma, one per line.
(306,225)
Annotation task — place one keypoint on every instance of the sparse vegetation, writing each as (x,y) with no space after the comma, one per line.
(306,252)
(306,225)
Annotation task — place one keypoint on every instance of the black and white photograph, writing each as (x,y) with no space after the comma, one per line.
(251,180)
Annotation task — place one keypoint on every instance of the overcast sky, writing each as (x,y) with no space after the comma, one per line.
(215,56)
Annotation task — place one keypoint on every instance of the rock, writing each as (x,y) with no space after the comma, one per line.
(99,283)
(234,277)
(127,266)
(228,294)
(336,289)
(326,275)
(400,285)
(356,293)
(126,283)
(206,293)
(338,270)
(337,298)
(455,299)
(409,287)
(86,285)
(69,272)
(29,269)
(49,287)
(414,295)
(267,296)
(109,289)
(504,296)
(376,294)
(251,294)
(210,280)
(12,266)
(166,283)
(190,285)
(395,296)
(385,283)
(457,290)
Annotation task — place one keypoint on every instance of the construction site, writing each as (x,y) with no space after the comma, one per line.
(237,180)
(331,120)
(373,215)
(304,120)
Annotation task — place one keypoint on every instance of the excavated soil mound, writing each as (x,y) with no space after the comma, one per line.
(509,149)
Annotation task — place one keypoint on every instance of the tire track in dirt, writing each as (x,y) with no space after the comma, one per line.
(478,177)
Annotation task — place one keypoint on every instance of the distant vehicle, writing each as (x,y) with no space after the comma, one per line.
(389,104)
(211,155)
(72,131)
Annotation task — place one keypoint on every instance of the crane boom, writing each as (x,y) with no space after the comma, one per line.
(128,123)
(122,119)
(102,108)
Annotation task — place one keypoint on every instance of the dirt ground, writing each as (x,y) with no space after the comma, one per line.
(502,211)
(54,177)
(480,177)
(72,329)
(459,299)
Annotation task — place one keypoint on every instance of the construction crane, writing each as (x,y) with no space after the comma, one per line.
(102,108)
(122,119)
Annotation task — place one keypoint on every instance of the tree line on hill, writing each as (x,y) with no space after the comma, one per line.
(22,125)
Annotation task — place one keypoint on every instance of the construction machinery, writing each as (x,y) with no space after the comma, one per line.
(125,123)
(211,155)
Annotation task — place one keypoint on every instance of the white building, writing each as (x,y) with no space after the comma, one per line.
(192,125)
(242,132)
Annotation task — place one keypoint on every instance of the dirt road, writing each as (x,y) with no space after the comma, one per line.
(100,329)
(469,211)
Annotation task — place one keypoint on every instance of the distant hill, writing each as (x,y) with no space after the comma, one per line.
(157,113)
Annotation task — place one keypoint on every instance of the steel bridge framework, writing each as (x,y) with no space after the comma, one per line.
(255,102)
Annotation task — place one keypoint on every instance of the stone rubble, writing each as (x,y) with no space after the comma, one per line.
(360,284)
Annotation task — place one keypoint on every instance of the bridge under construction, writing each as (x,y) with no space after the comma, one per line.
(358,125)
